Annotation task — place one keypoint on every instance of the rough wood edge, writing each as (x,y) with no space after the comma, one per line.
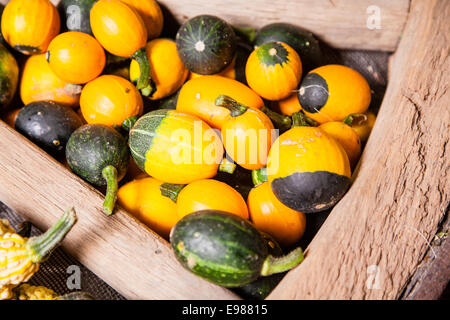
(131,258)
(375,238)
(432,276)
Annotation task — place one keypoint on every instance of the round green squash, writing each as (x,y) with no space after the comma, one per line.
(48,124)
(226,249)
(99,155)
(75,15)
(206,44)
(9,77)
(301,40)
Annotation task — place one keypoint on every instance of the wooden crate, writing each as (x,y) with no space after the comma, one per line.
(374,239)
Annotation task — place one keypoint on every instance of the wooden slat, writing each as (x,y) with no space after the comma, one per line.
(124,253)
(341,23)
(376,237)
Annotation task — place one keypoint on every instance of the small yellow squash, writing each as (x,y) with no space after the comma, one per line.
(274,70)
(29,26)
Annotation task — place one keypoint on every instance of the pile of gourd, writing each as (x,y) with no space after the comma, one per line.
(202,93)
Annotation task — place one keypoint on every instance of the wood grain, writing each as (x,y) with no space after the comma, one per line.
(124,253)
(375,238)
(340,23)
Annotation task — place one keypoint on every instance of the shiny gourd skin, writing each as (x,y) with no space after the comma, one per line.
(175,147)
(247,135)
(27,292)
(332,92)
(99,155)
(9,77)
(346,136)
(206,44)
(143,199)
(162,53)
(29,26)
(40,83)
(76,57)
(110,100)
(198,97)
(151,14)
(118,27)
(21,256)
(308,170)
(209,194)
(48,124)
(268,214)
(274,70)
(122,32)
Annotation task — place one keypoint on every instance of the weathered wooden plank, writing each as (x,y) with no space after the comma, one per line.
(120,250)
(374,239)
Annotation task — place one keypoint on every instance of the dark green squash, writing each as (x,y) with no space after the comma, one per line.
(206,44)
(48,124)
(226,249)
(75,15)
(263,286)
(99,155)
(301,40)
(9,77)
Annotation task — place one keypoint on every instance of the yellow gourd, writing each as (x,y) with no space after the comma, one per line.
(167,71)
(20,257)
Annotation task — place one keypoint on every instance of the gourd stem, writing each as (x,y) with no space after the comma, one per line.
(259,176)
(300,119)
(109,173)
(145,84)
(276,265)
(171,191)
(359,117)
(128,123)
(236,109)
(245,33)
(41,246)
(227,166)
(280,121)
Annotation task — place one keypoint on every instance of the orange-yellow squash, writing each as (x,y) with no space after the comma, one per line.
(332,92)
(76,57)
(247,135)
(198,97)
(346,136)
(29,26)
(151,14)
(122,32)
(268,214)
(167,71)
(209,194)
(143,199)
(175,147)
(274,70)
(308,170)
(110,100)
(40,83)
